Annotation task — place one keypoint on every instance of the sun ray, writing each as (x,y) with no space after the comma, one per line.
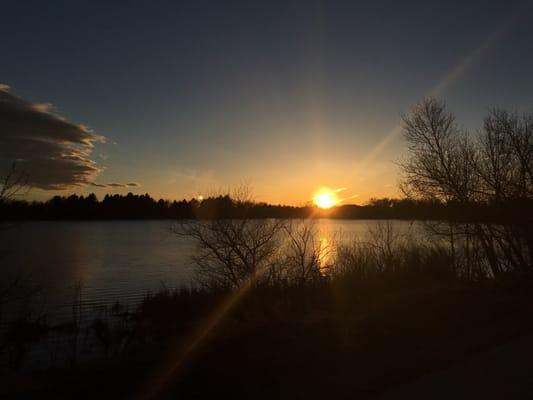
(453,74)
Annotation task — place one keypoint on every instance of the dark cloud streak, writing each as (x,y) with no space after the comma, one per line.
(52,152)
(115,185)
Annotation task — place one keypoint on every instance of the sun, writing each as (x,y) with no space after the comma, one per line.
(325,198)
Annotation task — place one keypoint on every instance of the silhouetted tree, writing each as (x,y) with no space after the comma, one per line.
(14,183)
(466,173)
(235,251)
(304,256)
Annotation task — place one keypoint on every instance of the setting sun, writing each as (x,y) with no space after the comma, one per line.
(325,198)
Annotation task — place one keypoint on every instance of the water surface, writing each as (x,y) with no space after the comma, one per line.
(117,261)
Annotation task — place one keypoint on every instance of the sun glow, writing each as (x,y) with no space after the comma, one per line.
(325,198)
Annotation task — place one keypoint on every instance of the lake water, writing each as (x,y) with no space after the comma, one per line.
(116,261)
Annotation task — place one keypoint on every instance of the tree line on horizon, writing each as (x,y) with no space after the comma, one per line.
(143,206)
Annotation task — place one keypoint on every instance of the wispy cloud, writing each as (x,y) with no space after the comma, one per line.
(115,185)
(345,198)
(100,185)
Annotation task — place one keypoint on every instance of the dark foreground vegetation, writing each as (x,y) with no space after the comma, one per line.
(357,332)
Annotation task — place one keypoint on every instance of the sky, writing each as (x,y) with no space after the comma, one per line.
(180,99)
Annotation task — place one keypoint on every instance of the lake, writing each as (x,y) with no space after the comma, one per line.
(117,261)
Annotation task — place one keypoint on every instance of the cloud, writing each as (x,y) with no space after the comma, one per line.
(100,185)
(114,185)
(53,152)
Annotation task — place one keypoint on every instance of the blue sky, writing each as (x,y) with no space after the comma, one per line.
(193,97)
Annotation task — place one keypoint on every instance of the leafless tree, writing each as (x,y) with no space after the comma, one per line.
(14,183)
(494,168)
(385,242)
(304,254)
(231,252)
(438,166)
(506,162)
(505,168)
